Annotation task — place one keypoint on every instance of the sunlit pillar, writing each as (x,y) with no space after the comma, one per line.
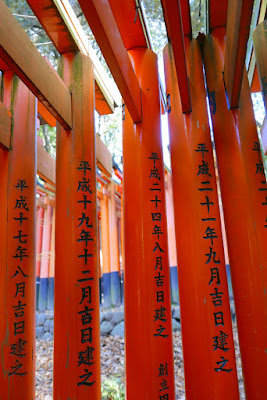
(208,347)
(51,275)
(105,247)
(77,321)
(171,240)
(244,198)
(115,284)
(148,320)
(45,257)
(39,241)
(17,233)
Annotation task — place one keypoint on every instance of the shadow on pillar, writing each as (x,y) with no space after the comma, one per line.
(122,287)
(50,294)
(115,288)
(100,290)
(43,290)
(106,290)
(174,285)
(229,281)
(37,290)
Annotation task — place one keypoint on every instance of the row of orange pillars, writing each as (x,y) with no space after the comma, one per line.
(110,234)
(208,348)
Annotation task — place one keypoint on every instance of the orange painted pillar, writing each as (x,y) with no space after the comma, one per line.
(39,241)
(17,283)
(244,197)
(122,248)
(51,275)
(209,356)
(148,320)
(115,280)
(98,249)
(77,320)
(45,257)
(171,239)
(105,248)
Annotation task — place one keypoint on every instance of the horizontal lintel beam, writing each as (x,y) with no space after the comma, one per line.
(172,15)
(103,157)
(103,24)
(52,20)
(19,53)
(3,66)
(239,15)
(46,165)
(63,28)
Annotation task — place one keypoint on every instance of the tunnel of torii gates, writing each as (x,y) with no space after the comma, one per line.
(109,212)
(29,85)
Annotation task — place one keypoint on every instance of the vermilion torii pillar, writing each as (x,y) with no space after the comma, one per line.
(209,357)
(39,241)
(51,277)
(105,248)
(18,209)
(77,325)
(244,198)
(171,240)
(148,327)
(115,283)
(45,257)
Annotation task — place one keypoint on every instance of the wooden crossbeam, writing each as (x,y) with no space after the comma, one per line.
(136,33)
(252,60)
(132,33)
(186,17)
(46,115)
(103,157)
(53,22)
(5,127)
(3,66)
(173,20)
(237,32)
(103,24)
(46,166)
(254,21)
(23,58)
(63,28)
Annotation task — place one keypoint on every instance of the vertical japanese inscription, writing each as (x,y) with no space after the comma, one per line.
(84,227)
(18,349)
(159,315)
(210,236)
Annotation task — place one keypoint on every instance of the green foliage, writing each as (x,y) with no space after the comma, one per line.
(33,29)
(109,127)
(113,389)
(48,134)
(198,11)
(156,23)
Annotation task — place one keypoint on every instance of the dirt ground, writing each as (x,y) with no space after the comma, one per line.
(112,365)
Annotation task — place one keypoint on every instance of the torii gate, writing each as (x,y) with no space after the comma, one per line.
(120,30)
